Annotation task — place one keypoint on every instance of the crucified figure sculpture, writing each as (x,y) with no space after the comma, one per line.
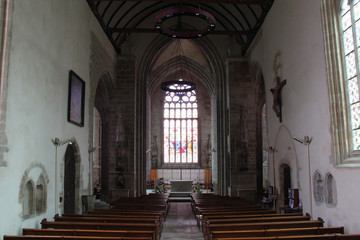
(277,97)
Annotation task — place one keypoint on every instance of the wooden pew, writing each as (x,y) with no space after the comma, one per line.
(20,237)
(261,226)
(200,217)
(108,215)
(254,220)
(229,209)
(114,211)
(103,226)
(143,202)
(245,215)
(277,232)
(58,218)
(305,237)
(84,232)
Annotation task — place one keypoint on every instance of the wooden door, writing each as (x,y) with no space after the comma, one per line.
(69,180)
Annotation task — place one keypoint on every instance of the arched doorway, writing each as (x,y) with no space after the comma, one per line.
(69,180)
(285,184)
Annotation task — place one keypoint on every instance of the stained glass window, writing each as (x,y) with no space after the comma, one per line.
(180,126)
(350,25)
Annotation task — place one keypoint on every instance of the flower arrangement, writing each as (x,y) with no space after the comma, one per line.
(196,188)
(161,188)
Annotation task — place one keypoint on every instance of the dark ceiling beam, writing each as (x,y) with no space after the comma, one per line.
(150,30)
(199,1)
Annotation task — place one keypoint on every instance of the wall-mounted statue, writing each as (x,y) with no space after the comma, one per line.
(154,153)
(241,140)
(276,91)
(207,161)
(277,103)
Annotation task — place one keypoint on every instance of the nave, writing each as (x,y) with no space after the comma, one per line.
(208,216)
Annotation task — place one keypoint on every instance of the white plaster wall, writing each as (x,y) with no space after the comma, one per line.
(294,28)
(49,38)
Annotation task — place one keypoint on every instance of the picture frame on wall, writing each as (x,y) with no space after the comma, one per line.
(76,100)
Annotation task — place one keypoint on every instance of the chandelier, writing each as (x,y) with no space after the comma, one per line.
(179,86)
(178,31)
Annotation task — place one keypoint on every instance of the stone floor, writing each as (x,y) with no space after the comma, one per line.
(180,223)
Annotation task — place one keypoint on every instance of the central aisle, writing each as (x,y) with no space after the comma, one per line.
(180,223)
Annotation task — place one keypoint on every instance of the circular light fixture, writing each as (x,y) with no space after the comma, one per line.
(185,11)
(178,86)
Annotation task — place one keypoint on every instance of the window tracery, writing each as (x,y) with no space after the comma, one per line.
(180,126)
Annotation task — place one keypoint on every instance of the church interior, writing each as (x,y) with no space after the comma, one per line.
(242,99)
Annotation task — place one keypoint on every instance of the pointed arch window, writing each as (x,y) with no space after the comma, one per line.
(350,27)
(180,126)
(341,29)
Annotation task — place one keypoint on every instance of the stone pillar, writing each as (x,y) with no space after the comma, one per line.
(242,126)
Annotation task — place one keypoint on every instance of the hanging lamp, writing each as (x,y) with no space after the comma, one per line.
(177,30)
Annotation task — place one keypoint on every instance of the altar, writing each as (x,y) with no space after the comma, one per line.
(181,186)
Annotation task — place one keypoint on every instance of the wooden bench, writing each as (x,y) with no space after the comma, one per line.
(203,210)
(128,211)
(245,215)
(261,226)
(201,216)
(277,232)
(155,220)
(156,203)
(20,237)
(103,226)
(305,237)
(83,232)
(140,213)
(108,215)
(254,220)
(147,219)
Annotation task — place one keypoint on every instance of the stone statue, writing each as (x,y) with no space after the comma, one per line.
(154,154)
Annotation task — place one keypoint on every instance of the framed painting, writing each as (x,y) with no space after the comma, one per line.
(76,99)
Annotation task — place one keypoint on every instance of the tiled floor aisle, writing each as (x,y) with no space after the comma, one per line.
(180,223)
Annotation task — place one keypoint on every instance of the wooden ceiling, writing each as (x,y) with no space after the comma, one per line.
(240,19)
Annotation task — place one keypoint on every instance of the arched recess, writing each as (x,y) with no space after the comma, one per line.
(35,174)
(28,202)
(41,194)
(260,112)
(102,104)
(330,192)
(216,86)
(318,187)
(285,155)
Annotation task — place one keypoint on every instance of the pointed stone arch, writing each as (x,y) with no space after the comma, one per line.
(285,155)
(104,91)
(78,178)
(259,85)
(35,174)
(221,173)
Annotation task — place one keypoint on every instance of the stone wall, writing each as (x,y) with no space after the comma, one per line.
(242,126)
(122,127)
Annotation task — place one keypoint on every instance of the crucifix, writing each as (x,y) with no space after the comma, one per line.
(277,97)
